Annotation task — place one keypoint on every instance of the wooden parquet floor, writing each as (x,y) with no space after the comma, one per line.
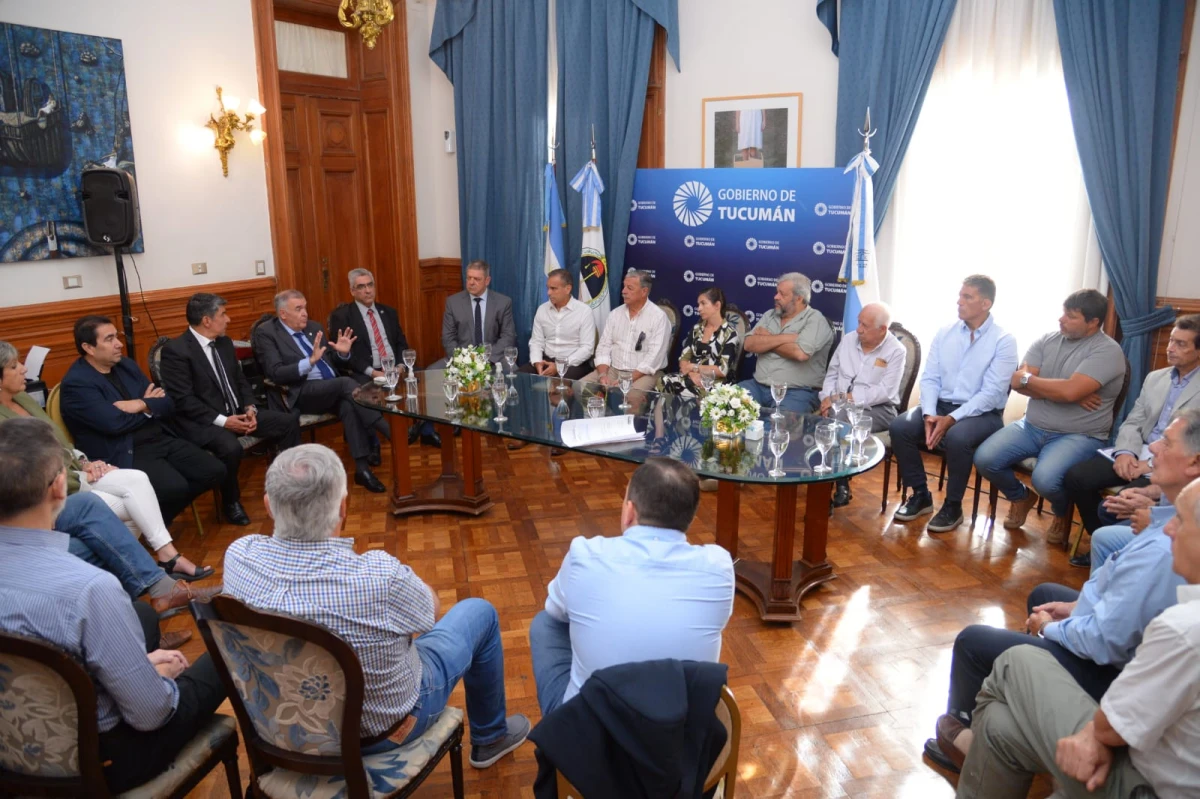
(837,704)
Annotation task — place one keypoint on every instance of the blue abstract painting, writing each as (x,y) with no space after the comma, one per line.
(63,108)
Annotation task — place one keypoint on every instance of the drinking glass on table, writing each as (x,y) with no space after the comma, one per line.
(391,376)
(826,438)
(450,389)
(410,360)
(386,362)
(778,440)
(500,396)
(487,352)
(625,383)
(510,358)
(837,403)
(707,380)
(778,392)
(410,380)
(595,407)
(560,366)
(860,433)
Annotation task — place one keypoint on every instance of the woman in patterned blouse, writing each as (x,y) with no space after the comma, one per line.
(709,350)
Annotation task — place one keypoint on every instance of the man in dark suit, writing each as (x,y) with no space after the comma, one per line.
(295,355)
(477,316)
(377,335)
(214,404)
(118,416)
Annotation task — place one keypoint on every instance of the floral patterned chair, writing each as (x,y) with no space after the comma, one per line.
(50,740)
(295,686)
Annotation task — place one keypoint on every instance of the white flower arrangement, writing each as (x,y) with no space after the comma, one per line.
(728,409)
(469,367)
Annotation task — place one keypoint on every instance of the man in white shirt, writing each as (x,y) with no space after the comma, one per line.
(1033,717)
(563,327)
(635,337)
(645,595)
(867,367)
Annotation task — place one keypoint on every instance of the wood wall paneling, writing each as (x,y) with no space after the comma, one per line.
(50,324)
(440,277)
(1163,334)
(652,150)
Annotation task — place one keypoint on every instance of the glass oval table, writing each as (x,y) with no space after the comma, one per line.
(668,426)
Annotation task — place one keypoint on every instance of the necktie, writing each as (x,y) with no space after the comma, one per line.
(323,367)
(379,345)
(478,320)
(231,407)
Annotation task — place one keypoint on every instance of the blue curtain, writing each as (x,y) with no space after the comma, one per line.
(1121,64)
(887,50)
(603,68)
(495,55)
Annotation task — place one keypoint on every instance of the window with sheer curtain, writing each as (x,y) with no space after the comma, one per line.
(991,182)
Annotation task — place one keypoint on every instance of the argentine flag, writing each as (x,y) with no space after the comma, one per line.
(859,269)
(553,225)
(593,265)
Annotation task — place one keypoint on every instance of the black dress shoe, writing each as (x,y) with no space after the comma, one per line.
(234,513)
(414,430)
(841,494)
(367,479)
(1083,560)
(431,439)
(373,457)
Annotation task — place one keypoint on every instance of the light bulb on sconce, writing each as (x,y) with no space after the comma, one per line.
(228,122)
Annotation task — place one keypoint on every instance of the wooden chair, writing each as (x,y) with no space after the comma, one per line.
(269,661)
(737,318)
(62,757)
(309,422)
(723,774)
(912,368)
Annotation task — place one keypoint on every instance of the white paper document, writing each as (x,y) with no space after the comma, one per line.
(34,362)
(609,430)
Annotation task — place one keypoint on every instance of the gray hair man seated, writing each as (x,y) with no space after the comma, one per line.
(645,595)
(377,605)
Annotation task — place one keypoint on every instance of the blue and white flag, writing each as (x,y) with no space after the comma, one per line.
(553,223)
(593,265)
(859,270)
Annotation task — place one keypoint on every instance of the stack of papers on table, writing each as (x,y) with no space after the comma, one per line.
(609,430)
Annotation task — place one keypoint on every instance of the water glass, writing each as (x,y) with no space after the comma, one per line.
(386,362)
(778,440)
(707,379)
(487,352)
(625,383)
(510,358)
(778,392)
(500,396)
(595,407)
(391,376)
(860,433)
(450,389)
(560,365)
(826,437)
(410,360)
(837,402)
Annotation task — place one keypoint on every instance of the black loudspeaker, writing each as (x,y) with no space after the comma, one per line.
(110,207)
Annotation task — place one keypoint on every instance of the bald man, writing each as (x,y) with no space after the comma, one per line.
(867,367)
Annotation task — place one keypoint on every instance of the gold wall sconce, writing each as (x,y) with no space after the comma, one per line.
(225,124)
(368,16)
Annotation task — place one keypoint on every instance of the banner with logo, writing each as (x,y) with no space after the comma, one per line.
(739,230)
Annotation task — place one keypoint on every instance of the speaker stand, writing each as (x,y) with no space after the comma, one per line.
(126,308)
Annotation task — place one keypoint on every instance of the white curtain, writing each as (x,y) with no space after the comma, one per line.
(991,182)
(314,51)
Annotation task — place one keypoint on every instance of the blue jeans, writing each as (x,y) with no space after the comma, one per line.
(464,645)
(550,648)
(1108,540)
(797,400)
(101,539)
(1055,453)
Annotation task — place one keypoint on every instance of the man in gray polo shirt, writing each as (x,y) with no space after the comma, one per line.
(1072,379)
(792,342)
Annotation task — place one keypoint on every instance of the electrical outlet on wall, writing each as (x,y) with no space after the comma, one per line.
(72,281)
(200,269)
(260,267)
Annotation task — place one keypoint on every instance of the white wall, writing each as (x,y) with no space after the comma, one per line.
(435,170)
(751,47)
(175,53)
(1179,265)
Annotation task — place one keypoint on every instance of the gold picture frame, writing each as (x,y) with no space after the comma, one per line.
(751,131)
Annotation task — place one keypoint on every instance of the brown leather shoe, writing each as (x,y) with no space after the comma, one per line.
(174,640)
(947,729)
(1019,510)
(181,594)
(1060,531)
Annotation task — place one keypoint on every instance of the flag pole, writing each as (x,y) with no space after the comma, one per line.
(866,133)
(593,141)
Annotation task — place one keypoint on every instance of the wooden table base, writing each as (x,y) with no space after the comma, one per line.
(777,587)
(450,492)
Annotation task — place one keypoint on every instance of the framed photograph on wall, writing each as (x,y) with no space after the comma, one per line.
(756,131)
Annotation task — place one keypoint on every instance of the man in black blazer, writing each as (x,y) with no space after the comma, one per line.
(295,355)
(118,416)
(214,404)
(377,335)
(478,315)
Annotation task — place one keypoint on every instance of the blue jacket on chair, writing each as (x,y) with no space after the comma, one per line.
(101,430)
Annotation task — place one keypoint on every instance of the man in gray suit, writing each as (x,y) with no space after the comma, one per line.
(477,316)
(1164,392)
(296,356)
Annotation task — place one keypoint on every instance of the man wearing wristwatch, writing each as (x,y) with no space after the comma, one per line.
(1072,378)
(1091,633)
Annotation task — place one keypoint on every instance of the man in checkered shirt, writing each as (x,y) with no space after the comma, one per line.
(377,605)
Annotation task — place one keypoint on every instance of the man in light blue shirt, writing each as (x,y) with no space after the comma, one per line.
(1092,633)
(645,595)
(963,390)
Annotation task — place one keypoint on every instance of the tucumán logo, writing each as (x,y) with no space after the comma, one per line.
(751,281)
(633,205)
(693,203)
(689,276)
(689,310)
(631,239)
(819,247)
(751,244)
(689,240)
(817,287)
(820,209)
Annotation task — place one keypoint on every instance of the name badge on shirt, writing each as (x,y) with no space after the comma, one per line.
(880,362)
